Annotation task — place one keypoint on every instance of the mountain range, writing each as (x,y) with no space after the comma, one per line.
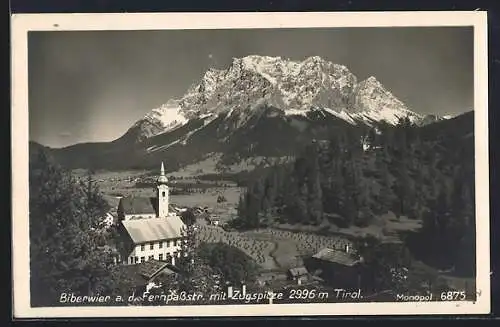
(258,107)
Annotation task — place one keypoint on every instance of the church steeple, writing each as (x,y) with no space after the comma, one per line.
(162,193)
(163,178)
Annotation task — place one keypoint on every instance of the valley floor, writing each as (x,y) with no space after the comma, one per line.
(275,249)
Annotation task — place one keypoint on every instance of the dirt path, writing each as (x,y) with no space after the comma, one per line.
(273,252)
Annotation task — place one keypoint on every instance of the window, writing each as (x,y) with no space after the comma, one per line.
(160,256)
(151,257)
(142,247)
(136,260)
(178,242)
(168,243)
(160,245)
(131,260)
(151,246)
(163,193)
(142,259)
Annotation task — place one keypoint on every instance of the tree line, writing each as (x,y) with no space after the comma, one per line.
(422,173)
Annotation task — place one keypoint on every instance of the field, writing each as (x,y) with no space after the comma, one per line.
(209,165)
(273,249)
(114,185)
(259,250)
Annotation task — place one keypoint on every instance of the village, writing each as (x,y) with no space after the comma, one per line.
(147,206)
(151,237)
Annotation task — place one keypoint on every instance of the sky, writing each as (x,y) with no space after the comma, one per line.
(91,86)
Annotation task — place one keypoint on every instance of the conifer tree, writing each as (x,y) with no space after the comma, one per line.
(402,187)
(253,201)
(385,197)
(269,196)
(315,195)
(241,208)
(301,210)
(65,255)
(349,206)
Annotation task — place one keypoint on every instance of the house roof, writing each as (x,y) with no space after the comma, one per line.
(299,271)
(142,273)
(132,273)
(336,256)
(138,205)
(175,208)
(153,229)
(151,268)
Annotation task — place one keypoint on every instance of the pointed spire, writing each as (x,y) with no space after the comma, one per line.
(163,177)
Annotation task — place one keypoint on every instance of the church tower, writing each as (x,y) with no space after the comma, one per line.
(162,193)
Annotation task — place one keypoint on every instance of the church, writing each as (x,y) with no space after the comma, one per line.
(148,230)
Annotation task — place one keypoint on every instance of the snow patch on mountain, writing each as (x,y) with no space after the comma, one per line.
(374,103)
(296,112)
(342,115)
(165,118)
(155,148)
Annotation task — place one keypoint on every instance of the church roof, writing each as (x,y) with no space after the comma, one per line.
(163,178)
(154,229)
(138,205)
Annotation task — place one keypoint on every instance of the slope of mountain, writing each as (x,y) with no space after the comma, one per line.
(258,106)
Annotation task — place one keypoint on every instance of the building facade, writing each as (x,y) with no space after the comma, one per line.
(148,230)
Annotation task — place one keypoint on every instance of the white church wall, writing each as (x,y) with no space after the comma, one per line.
(163,200)
(145,251)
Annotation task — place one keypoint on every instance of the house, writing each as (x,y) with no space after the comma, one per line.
(177,209)
(148,275)
(340,267)
(198,211)
(212,220)
(148,229)
(299,274)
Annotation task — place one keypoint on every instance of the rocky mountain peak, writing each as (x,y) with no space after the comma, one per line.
(292,86)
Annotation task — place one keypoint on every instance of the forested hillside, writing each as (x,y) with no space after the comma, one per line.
(424,173)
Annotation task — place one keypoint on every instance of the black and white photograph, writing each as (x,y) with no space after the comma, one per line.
(249,164)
